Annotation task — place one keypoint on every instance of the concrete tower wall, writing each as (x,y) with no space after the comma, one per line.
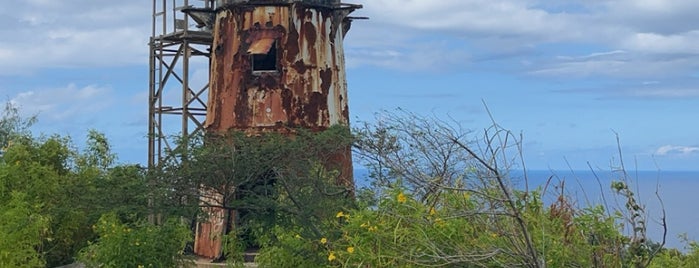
(307,87)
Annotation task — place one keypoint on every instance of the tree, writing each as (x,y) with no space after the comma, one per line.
(262,183)
(64,186)
(52,193)
(12,124)
(22,232)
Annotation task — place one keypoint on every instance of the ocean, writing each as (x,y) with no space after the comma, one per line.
(678,190)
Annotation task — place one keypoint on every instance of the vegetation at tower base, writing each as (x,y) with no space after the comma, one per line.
(436,199)
(136,244)
(263,183)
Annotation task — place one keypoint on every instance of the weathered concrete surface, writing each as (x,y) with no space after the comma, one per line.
(307,88)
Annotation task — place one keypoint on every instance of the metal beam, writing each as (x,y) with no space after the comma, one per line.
(172,52)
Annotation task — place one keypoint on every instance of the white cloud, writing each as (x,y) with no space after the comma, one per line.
(676,150)
(594,55)
(654,31)
(652,16)
(64,104)
(421,57)
(617,63)
(73,33)
(75,48)
(470,16)
(97,33)
(664,93)
(664,44)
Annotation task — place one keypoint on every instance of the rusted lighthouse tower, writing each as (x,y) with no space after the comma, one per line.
(276,65)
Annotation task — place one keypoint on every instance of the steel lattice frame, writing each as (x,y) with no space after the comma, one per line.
(176,106)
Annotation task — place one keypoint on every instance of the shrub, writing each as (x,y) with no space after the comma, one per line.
(22,231)
(286,247)
(136,245)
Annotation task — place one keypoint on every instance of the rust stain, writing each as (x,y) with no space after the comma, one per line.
(208,240)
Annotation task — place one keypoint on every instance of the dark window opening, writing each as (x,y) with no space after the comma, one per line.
(263,54)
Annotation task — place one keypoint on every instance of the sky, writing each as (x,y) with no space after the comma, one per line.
(568,75)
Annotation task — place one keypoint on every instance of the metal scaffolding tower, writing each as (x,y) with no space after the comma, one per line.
(179,75)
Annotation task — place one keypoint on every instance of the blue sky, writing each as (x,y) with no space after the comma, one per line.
(568,75)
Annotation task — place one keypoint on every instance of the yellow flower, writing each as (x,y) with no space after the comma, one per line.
(297,236)
(340,215)
(372,228)
(331,257)
(432,211)
(439,222)
(401,198)
(467,196)
(323,240)
(364,225)
(494,235)
(350,250)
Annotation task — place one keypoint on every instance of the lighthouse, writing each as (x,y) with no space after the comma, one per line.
(275,66)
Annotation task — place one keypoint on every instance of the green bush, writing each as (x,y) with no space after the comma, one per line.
(677,259)
(22,231)
(136,245)
(291,249)
(460,230)
(403,232)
